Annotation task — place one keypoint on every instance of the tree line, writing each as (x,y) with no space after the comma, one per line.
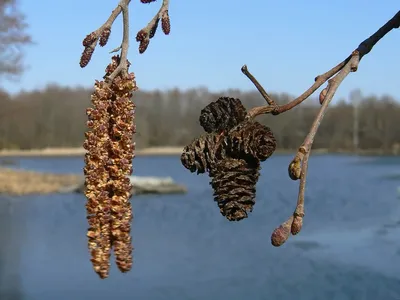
(55,117)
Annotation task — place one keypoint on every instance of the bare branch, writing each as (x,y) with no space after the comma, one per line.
(265,95)
(299,165)
(103,33)
(224,118)
(123,65)
(364,48)
(277,109)
(13,38)
(145,34)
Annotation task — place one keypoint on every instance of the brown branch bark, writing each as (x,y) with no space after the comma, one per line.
(299,165)
(102,34)
(145,34)
(277,109)
(364,48)
(123,65)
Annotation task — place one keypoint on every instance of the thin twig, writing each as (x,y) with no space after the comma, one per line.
(309,140)
(299,165)
(123,65)
(157,16)
(146,33)
(265,95)
(277,109)
(364,48)
(103,32)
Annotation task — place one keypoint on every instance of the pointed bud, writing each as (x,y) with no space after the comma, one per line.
(281,234)
(294,169)
(322,95)
(296,225)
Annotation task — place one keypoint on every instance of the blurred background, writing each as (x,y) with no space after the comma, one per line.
(184,248)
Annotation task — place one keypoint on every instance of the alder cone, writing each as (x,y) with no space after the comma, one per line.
(202,154)
(251,138)
(223,114)
(234,183)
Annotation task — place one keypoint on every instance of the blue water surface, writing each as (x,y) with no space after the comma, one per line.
(349,247)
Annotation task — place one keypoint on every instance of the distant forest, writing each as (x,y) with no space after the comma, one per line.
(55,117)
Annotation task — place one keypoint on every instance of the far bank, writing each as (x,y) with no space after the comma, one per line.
(173,150)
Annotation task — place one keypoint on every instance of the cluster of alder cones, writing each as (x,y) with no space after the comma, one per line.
(230,152)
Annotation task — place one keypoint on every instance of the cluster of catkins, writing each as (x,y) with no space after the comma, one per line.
(108,162)
(231,152)
(90,42)
(144,35)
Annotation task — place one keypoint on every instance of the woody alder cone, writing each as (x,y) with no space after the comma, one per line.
(223,114)
(251,138)
(234,183)
(202,154)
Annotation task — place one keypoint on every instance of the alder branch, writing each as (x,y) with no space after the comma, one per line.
(110,148)
(364,48)
(123,65)
(299,165)
(145,34)
(276,109)
(102,34)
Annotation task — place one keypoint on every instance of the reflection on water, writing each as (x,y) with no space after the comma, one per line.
(11,241)
(186,250)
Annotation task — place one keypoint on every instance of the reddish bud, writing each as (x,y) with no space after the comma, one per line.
(296,225)
(280,235)
(322,95)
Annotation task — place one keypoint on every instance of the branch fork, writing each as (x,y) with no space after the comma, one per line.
(102,34)
(299,165)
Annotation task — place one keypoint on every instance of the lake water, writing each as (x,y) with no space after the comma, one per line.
(349,247)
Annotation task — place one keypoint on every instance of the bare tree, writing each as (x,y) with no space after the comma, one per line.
(47,110)
(13,38)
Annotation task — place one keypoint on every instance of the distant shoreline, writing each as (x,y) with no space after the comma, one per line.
(81,151)
(154,151)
